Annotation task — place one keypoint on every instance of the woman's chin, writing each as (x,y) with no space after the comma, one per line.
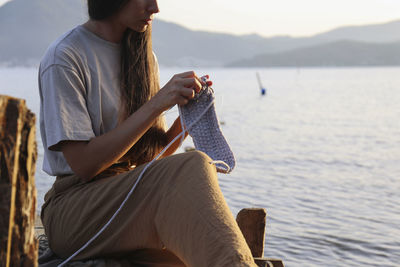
(141,28)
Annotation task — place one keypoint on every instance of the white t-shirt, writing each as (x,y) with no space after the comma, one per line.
(79,83)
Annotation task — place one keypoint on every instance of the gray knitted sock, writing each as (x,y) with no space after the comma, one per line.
(205,131)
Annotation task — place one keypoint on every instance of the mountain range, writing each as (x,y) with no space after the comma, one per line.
(333,54)
(27,27)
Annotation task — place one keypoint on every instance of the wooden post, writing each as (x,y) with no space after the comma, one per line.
(252,224)
(17,184)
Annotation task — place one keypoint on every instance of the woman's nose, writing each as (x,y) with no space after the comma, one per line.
(153,7)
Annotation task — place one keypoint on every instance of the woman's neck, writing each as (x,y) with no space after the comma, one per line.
(108,29)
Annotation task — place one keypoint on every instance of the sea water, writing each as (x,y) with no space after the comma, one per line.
(320,152)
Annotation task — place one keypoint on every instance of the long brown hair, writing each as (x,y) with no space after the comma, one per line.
(139,80)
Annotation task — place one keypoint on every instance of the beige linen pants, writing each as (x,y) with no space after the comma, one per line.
(178,207)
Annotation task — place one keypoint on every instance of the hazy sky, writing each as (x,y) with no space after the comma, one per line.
(278,17)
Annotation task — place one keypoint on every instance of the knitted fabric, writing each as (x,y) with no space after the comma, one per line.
(206,132)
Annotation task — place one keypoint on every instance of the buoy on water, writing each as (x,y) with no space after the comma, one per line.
(263,91)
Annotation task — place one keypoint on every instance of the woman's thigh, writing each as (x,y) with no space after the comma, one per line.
(78,213)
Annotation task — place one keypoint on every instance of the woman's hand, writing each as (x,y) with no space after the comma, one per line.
(179,90)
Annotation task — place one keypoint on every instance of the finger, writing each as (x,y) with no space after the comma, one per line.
(188,93)
(198,86)
(200,83)
(191,74)
(182,101)
(192,83)
(187,74)
(188,82)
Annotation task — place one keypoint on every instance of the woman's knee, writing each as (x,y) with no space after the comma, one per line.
(199,156)
(198,160)
(190,166)
(183,170)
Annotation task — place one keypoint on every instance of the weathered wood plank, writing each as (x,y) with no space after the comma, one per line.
(252,224)
(17,184)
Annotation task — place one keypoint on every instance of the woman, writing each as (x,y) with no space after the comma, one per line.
(101,120)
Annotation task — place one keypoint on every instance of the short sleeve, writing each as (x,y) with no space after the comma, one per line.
(64,110)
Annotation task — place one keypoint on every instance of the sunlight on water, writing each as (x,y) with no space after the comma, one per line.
(320,152)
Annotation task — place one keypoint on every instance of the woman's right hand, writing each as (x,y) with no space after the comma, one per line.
(179,90)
